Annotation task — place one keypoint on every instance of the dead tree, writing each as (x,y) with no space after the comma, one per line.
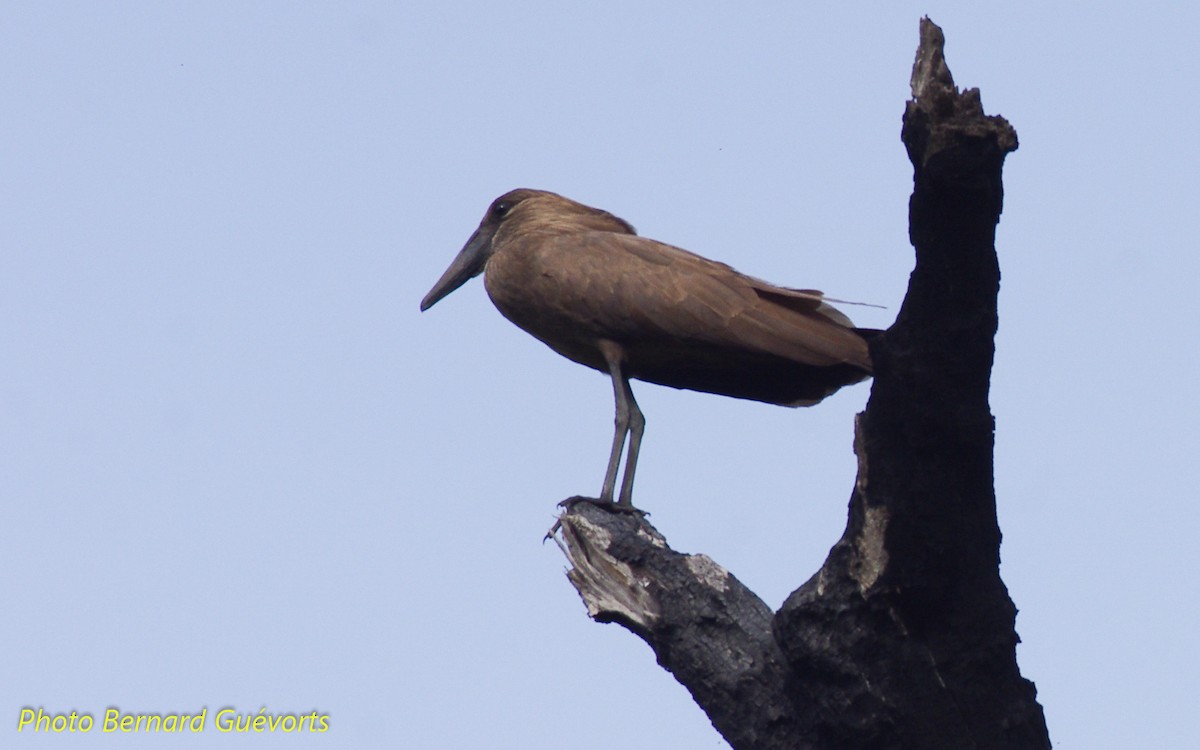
(905,637)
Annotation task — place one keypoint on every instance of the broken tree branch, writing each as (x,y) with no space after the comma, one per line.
(905,637)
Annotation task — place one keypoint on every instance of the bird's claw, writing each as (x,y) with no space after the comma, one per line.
(606,505)
(602,504)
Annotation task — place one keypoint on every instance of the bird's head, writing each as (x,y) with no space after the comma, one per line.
(518,210)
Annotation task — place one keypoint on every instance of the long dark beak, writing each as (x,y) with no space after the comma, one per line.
(466,265)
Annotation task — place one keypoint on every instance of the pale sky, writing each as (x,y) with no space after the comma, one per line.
(239,469)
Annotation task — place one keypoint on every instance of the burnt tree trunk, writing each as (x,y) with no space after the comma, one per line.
(905,637)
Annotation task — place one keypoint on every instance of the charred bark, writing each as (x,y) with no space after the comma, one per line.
(905,637)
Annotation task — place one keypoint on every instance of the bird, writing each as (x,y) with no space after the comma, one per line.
(583,282)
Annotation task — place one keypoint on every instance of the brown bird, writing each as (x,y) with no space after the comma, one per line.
(580,280)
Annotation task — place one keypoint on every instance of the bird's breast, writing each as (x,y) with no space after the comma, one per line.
(546,295)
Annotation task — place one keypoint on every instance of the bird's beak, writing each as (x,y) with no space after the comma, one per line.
(466,265)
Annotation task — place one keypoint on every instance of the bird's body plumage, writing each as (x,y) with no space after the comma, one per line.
(681,319)
(580,280)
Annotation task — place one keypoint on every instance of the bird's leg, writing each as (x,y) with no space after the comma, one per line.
(628,421)
(621,429)
(636,425)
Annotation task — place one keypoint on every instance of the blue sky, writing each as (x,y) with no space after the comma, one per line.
(238,468)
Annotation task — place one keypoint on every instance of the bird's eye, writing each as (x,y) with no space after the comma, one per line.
(500,208)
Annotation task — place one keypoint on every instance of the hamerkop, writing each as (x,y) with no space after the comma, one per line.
(582,281)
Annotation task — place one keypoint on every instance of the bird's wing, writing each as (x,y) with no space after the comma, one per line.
(683,296)
(802,300)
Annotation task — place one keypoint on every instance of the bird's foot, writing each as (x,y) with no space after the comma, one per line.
(602,504)
(605,505)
